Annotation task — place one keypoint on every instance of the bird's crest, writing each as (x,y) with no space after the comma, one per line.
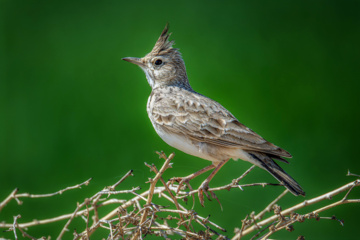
(163,45)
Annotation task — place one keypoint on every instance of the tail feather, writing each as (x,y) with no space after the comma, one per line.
(264,161)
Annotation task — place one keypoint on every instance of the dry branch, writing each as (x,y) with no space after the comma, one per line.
(137,215)
(313,214)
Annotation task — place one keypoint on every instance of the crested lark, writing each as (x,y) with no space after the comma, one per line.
(198,125)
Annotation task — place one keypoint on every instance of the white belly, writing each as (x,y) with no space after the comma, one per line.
(184,144)
(202,150)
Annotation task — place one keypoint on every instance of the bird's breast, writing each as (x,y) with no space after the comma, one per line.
(184,144)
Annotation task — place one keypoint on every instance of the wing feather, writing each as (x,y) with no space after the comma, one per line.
(205,120)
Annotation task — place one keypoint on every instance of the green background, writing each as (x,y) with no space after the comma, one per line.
(72,109)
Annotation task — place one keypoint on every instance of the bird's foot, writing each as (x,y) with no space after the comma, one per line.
(183,183)
(203,189)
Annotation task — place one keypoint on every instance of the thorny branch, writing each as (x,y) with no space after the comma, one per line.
(14,195)
(151,192)
(140,215)
(285,222)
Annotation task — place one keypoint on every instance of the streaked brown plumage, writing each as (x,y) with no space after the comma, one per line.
(199,125)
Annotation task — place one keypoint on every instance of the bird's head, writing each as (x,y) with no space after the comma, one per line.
(163,66)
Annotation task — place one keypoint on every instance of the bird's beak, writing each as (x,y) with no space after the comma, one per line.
(134,60)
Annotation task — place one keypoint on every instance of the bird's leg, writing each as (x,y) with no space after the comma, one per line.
(205,184)
(182,180)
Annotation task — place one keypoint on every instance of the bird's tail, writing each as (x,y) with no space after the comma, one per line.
(264,161)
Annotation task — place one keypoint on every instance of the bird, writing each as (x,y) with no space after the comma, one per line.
(200,126)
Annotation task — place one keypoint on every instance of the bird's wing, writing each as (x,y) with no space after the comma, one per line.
(205,120)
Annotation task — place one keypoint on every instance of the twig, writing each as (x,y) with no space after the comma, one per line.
(109,192)
(86,202)
(87,220)
(262,230)
(352,174)
(129,173)
(244,174)
(334,218)
(307,203)
(171,195)
(21,195)
(65,228)
(208,228)
(151,192)
(197,216)
(15,224)
(244,223)
(8,198)
(59,218)
(269,207)
(229,186)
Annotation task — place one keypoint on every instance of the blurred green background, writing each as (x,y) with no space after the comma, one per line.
(72,109)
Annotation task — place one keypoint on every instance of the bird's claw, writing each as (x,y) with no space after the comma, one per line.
(203,189)
(181,181)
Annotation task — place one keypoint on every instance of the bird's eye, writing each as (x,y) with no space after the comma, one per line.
(158,62)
